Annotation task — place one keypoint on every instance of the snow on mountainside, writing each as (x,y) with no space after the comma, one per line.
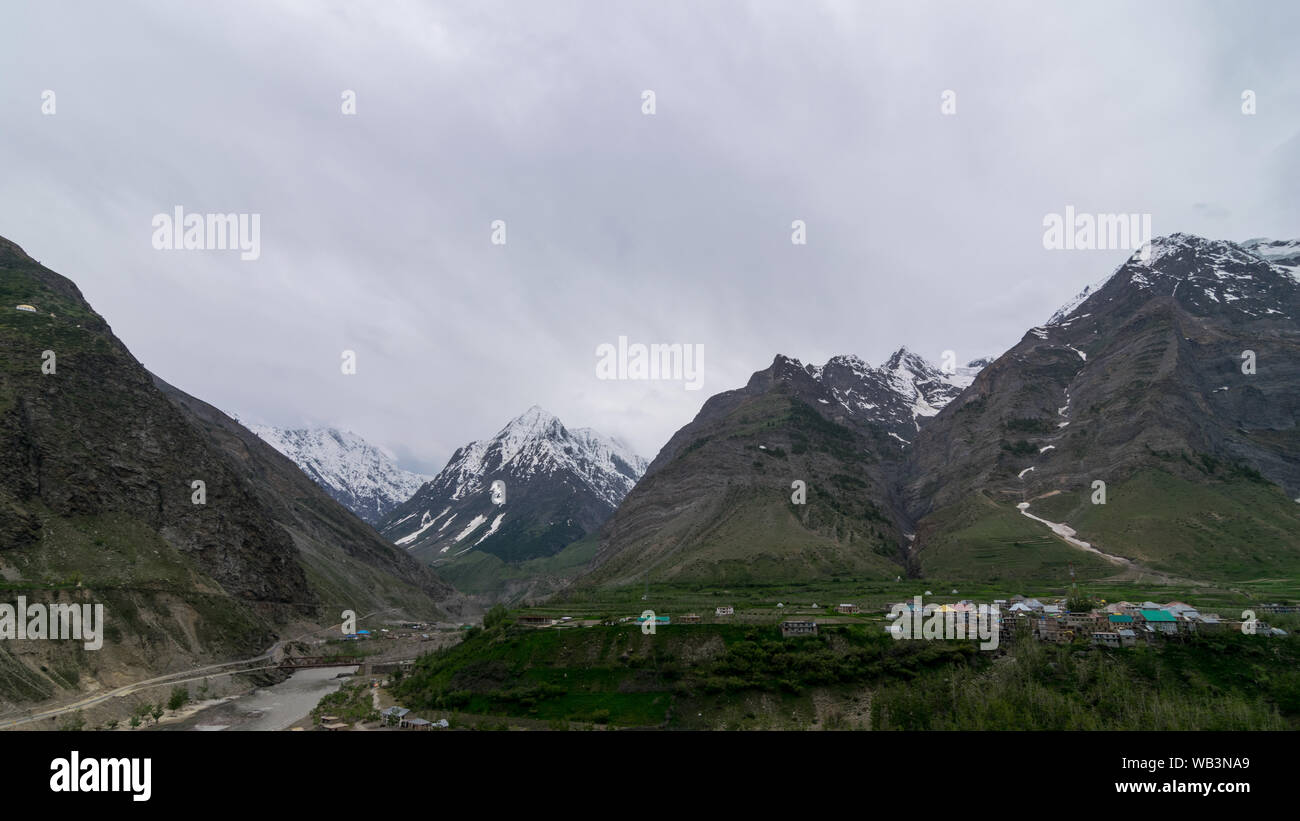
(558,485)
(611,457)
(1284,253)
(355,473)
(898,394)
(536,444)
(1179,258)
(1069,308)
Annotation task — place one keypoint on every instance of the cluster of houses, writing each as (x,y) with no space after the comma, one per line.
(1124,624)
(409,631)
(1121,624)
(401,717)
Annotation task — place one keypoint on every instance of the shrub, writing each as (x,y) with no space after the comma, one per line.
(496,616)
(180,696)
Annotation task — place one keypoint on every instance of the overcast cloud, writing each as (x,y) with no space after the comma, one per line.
(924,230)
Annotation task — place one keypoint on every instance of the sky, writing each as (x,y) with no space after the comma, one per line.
(924,222)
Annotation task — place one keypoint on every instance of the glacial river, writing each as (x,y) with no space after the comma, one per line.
(269,708)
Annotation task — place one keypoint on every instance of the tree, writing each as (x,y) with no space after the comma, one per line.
(134,722)
(497,615)
(180,695)
(1080,603)
(157,712)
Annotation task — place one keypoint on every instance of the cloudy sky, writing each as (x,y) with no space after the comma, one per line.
(923,229)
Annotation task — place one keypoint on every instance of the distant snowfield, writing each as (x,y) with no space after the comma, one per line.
(364,478)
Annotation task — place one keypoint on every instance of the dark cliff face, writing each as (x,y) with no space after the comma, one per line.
(1149,364)
(368,572)
(97,437)
(96,484)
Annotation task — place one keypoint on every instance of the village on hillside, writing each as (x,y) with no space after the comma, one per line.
(1118,624)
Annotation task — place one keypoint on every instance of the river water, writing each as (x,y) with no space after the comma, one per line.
(269,708)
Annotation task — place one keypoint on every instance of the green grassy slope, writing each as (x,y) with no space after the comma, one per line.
(482,573)
(981,540)
(1231,527)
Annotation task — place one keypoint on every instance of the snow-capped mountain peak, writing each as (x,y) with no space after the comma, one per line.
(1191,249)
(1209,266)
(543,467)
(362,477)
(533,425)
(536,442)
(928,387)
(532,422)
(897,395)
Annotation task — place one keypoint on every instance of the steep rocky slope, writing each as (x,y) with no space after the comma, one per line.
(718,501)
(97,503)
(1139,384)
